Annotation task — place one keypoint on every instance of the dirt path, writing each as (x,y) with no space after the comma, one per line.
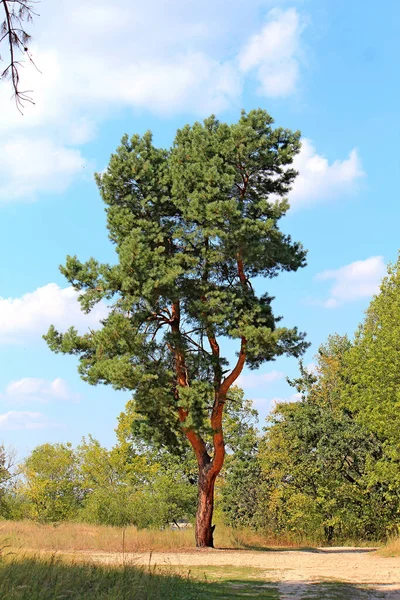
(296,570)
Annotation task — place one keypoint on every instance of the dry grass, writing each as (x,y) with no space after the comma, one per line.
(392,548)
(70,537)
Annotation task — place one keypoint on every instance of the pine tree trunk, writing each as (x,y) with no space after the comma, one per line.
(205,509)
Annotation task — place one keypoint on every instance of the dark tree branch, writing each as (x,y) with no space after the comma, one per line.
(16,13)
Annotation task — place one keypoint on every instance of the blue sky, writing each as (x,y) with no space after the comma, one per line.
(326,68)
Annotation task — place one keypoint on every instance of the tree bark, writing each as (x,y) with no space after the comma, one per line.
(205,509)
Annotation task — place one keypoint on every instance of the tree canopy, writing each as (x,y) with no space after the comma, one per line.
(318,461)
(192,226)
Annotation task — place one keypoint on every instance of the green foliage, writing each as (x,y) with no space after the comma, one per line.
(191,226)
(51,483)
(107,505)
(374,362)
(117,467)
(174,488)
(240,489)
(116,487)
(7,477)
(168,500)
(371,390)
(318,461)
(108,478)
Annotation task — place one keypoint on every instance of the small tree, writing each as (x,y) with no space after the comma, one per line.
(242,473)
(192,227)
(7,477)
(50,482)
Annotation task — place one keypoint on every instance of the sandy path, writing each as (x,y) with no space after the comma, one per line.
(306,591)
(296,570)
(353,565)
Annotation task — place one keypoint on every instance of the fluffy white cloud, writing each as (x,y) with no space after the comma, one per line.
(34,389)
(180,64)
(29,166)
(254,380)
(28,317)
(318,180)
(275,53)
(16,419)
(360,279)
(188,60)
(194,82)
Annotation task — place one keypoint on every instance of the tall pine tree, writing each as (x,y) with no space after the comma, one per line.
(192,226)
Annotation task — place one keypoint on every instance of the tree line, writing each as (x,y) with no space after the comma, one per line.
(325,468)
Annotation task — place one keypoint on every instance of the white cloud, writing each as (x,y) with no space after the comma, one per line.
(189,60)
(318,180)
(30,165)
(15,419)
(28,317)
(311,368)
(191,81)
(265,405)
(292,398)
(184,63)
(360,279)
(275,53)
(33,389)
(254,380)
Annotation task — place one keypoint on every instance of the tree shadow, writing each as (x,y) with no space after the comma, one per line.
(319,550)
(337,591)
(344,550)
(50,578)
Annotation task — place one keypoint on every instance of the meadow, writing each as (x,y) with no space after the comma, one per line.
(78,537)
(76,561)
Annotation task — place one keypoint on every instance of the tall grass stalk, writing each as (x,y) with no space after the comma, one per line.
(79,537)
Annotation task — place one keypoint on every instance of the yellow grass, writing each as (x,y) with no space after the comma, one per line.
(70,537)
(392,548)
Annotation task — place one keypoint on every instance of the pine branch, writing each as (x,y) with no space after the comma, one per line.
(16,13)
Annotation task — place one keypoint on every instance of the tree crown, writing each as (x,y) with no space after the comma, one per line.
(192,226)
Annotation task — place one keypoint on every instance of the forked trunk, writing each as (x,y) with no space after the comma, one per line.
(205,509)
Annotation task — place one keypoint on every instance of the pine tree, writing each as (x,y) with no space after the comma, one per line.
(192,227)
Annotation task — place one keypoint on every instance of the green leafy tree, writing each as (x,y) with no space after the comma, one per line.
(7,479)
(109,479)
(100,467)
(318,460)
(192,226)
(372,390)
(240,489)
(51,483)
(373,365)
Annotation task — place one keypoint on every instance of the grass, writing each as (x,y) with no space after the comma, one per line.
(54,577)
(392,548)
(24,577)
(42,562)
(75,537)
